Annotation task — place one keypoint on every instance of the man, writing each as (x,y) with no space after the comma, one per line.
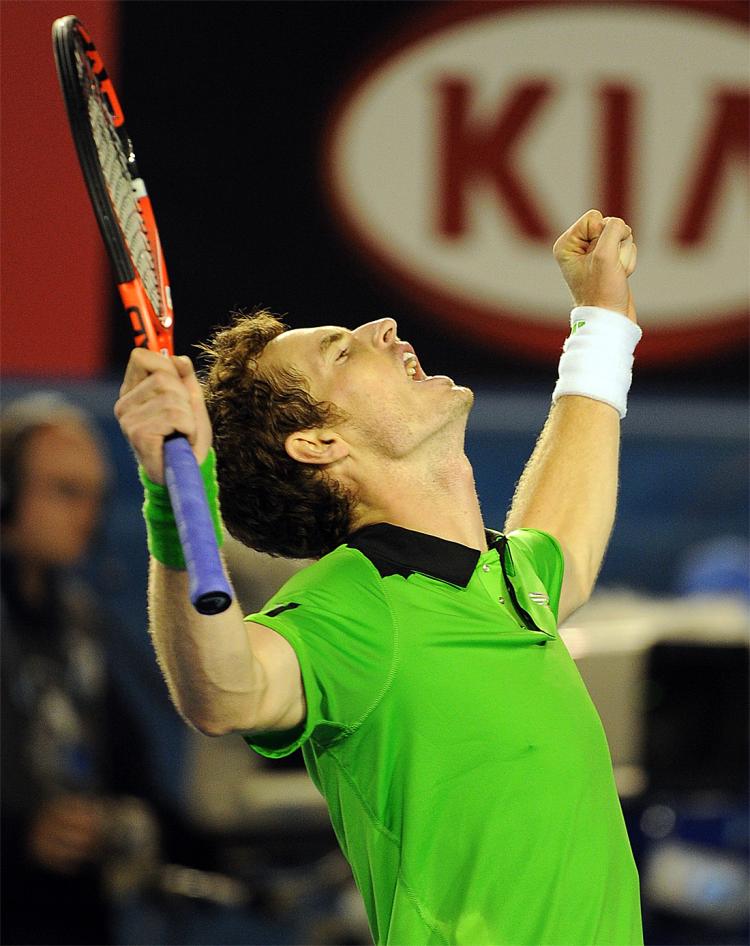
(60,735)
(417,663)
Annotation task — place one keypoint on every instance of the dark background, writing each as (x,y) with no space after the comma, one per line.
(226,103)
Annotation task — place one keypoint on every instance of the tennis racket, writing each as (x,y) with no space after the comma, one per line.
(126,220)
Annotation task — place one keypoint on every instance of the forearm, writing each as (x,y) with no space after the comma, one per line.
(214,679)
(569,485)
(211,664)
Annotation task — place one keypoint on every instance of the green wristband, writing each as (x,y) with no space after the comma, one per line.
(161,528)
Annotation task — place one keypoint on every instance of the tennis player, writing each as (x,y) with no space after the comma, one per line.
(417,662)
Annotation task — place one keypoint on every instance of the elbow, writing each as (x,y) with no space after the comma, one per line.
(215,709)
(210,727)
(208,722)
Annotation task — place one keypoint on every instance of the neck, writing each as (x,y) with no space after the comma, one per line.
(437,497)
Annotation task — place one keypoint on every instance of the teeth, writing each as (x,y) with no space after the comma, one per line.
(410,363)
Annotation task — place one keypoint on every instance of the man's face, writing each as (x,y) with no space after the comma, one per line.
(61,482)
(392,407)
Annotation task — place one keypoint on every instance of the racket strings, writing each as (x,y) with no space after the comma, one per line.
(114,165)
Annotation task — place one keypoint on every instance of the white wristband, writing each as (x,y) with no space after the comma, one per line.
(597,358)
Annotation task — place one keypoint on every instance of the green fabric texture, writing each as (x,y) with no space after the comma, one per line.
(466,770)
(161,529)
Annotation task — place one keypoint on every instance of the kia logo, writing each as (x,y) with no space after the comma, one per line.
(457,156)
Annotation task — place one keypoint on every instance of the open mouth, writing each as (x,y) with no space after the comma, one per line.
(412,367)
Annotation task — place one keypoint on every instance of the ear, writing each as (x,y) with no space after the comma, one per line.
(320,447)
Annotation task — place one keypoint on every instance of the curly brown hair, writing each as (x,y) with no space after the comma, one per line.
(269,501)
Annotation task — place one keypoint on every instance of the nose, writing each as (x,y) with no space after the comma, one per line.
(380,334)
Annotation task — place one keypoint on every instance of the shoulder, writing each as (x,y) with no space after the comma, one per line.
(335,600)
(335,618)
(337,577)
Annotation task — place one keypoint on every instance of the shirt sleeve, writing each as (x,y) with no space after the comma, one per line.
(538,559)
(336,618)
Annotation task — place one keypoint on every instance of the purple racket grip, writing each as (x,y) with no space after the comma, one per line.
(209,588)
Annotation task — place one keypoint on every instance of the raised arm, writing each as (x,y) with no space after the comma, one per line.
(223,674)
(569,485)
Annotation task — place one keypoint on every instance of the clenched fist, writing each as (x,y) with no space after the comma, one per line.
(160,396)
(596,256)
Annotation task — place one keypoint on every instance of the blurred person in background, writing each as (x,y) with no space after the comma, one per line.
(65,733)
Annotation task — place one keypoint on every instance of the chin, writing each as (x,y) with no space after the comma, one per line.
(456,411)
(464,395)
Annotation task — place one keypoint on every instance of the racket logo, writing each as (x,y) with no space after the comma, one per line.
(105,84)
(140,336)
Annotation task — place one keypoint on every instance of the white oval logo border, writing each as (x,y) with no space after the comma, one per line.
(506,327)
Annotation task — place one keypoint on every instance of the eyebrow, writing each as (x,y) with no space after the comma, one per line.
(329,340)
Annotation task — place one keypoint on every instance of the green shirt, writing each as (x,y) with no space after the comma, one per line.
(465,767)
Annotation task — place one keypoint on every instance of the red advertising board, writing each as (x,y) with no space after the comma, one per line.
(464,147)
(54,281)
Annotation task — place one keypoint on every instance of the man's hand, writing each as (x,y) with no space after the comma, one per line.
(158,397)
(597,255)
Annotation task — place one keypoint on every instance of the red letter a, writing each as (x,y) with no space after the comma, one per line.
(728,136)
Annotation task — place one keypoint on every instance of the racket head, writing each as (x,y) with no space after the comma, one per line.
(118,195)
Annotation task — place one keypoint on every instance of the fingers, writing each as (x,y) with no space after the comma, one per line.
(614,232)
(595,256)
(187,374)
(156,408)
(607,239)
(184,367)
(576,239)
(590,225)
(592,231)
(165,384)
(154,403)
(627,252)
(158,397)
(154,412)
(632,261)
(144,364)
(141,364)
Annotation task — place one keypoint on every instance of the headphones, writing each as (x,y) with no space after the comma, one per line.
(18,423)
